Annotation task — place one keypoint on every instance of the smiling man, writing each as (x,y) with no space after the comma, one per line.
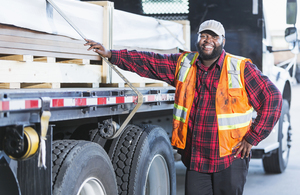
(212,118)
(210,51)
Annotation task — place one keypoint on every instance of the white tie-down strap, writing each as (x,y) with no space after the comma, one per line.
(44,128)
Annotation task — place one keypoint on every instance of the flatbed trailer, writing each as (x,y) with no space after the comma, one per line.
(75,113)
(64,114)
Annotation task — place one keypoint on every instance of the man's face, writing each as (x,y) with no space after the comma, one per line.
(210,45)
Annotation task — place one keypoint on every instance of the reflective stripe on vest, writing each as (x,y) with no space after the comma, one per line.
(185,81)
(233,67)
(234,121)
(187,60)
(179,113)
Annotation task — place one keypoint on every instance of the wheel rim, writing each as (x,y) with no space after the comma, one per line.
(158,181)
(91,186)
(285,137)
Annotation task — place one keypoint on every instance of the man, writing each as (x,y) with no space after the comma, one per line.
(214,98)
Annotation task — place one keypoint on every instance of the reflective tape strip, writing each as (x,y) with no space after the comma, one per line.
(235,120)
(229,127)
(234,71)
(179,113)
(186,63)
(178,118)
(180,68)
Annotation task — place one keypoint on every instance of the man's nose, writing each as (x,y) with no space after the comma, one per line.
(209,38)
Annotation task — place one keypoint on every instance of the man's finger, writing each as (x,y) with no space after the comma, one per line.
(88,42)
(238,151)
(248,150)
(243,152)
(96,46)
(97,51)
(247,153)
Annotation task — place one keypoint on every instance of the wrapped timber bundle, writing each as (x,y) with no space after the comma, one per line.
(38,48)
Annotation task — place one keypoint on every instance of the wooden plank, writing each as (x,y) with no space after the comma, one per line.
(40,41)
(39,72)
(74,61)
(47,48)
(40,85)
(22,32)
(44,59)
(108,8)
(14,38)
(12,51)
(186,32)
(13,85)
(22,58)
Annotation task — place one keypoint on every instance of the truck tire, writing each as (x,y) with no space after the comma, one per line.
(81,167)
(143,161)
(277,162)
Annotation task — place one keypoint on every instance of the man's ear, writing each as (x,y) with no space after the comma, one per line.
(224,41)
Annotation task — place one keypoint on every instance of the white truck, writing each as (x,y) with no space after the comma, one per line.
(60,123)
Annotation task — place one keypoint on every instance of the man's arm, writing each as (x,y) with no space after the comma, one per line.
(146,64)
(266,100)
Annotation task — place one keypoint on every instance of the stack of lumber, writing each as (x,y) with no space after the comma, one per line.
(35,59)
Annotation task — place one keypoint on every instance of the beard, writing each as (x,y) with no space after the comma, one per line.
(216,52)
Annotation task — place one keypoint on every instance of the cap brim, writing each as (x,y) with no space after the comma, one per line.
(213,30)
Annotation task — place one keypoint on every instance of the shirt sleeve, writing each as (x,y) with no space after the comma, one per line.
(147,64)
(266,100)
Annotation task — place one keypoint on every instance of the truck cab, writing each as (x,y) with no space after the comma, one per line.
(274,150)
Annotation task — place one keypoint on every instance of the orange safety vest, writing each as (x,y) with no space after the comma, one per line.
(234,112)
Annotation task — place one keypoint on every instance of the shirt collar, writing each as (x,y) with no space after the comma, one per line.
(221,59)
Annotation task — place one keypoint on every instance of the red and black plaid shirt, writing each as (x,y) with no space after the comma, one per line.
(202,148)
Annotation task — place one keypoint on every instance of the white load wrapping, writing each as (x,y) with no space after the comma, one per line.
(38,15)
(145,32)
(129,30)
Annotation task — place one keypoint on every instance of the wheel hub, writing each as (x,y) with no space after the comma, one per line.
(158,181)
(91,186)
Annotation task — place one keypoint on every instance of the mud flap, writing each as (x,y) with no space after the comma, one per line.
(8,182)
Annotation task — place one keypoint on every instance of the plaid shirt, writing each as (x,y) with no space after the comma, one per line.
(202,148)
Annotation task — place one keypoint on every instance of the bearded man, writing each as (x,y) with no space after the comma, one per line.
(212,118)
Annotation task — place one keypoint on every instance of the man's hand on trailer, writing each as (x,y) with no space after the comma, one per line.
(98,48)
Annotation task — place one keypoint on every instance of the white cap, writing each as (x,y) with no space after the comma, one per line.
(214,26)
